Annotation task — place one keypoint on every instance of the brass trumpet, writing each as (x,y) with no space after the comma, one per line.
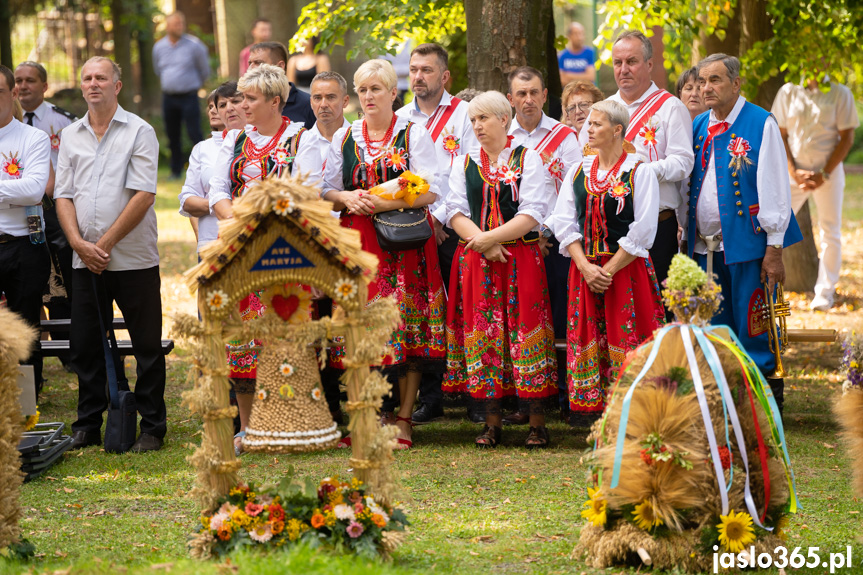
(779,335)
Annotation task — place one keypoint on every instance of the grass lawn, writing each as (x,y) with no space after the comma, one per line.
(501,511)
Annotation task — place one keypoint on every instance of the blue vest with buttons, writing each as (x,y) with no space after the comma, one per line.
(737,187)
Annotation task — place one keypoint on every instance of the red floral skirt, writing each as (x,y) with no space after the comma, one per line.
(414,279)
(603,327)
(243,364)
(500,337)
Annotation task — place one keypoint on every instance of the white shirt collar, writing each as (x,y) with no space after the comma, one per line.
(317,133)
(9,128)
(445,100)
(732,117)
(41,110)
(545,122)
(120,115)
(650,90)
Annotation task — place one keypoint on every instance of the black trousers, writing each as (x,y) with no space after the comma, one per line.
(24,272)
(61,252)
(557,275)
(664,247)
(178,109)
(137,293)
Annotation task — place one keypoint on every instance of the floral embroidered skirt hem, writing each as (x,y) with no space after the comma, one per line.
(243,362)
(603,327)
(500,337)
(413,278)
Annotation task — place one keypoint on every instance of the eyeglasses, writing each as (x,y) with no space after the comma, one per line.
(583,106)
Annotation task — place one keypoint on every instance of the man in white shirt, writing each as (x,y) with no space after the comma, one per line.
(105,190)
(445,117)
(31,79)
(557,145)
(740,206)
(329,98)
(818,130)
(660,128)
(25,164)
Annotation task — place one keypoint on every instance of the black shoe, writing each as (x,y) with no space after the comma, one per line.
(146,442)
(777,386)
(426,414)
(475,416)
(516,418)
(82,439)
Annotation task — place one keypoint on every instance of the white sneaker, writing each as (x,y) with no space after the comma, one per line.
(821,303)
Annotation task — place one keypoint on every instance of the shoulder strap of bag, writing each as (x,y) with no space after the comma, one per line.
(116,377)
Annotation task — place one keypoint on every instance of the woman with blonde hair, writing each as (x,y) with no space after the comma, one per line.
(606,217)
(500,335)
(264,148)
(371,151)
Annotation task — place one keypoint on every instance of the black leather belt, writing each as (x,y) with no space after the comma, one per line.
(6,238)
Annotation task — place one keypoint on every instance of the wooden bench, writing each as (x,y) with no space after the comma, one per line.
(60,347)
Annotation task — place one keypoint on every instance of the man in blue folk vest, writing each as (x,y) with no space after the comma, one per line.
(740,192)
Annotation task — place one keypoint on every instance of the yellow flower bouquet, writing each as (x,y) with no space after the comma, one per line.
(408,186)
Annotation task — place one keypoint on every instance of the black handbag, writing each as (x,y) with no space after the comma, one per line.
(403,230)
(122,425)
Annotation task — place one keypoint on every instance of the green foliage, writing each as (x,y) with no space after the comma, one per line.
(684,273)
(379,25)
(810,39)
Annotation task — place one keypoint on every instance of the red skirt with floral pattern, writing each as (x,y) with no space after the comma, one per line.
(603,327)
(500,337)
(413,278)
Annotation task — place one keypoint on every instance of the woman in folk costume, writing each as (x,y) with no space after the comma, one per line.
(264,148)
(606,221)
(500,337)
(371,151)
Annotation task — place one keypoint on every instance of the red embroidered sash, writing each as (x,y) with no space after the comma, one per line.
(438,120)
(553,139)
(644,112)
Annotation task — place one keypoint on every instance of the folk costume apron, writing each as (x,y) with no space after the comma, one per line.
(252,165)
(603,327)
(500,337)
(413,277)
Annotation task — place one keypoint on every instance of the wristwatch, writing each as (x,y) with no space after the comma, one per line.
(825,174)
(776,246)
(545,231)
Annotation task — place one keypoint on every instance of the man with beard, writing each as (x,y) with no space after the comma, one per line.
(446,119)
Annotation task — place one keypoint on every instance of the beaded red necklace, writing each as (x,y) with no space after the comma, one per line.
(597,185)
(256,153)
(373,150)
(489,175)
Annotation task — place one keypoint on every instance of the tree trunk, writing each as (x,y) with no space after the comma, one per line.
(150,103)
(755,26)
(123,52)
(801,259)
(6,35)
(503,35)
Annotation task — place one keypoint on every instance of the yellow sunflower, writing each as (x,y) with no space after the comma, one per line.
(735,531)
(596,508)
(645,517)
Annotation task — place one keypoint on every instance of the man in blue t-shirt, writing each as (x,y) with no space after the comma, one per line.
(576,60)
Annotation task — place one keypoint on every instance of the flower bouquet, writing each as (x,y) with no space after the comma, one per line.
(30,421)
(848,407)
(690,295)
(407,186)
(342,515)
(690,457)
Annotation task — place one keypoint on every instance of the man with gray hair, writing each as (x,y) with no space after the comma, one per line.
(661,131)
(740,192)
(181,62)
(105,190)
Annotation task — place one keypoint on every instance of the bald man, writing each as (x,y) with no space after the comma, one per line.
(576,60)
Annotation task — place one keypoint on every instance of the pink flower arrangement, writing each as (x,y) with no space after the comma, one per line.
(253,509)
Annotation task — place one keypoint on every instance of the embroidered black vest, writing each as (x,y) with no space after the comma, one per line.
(359,175)
(604,218)
(278,162)
(490,206)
